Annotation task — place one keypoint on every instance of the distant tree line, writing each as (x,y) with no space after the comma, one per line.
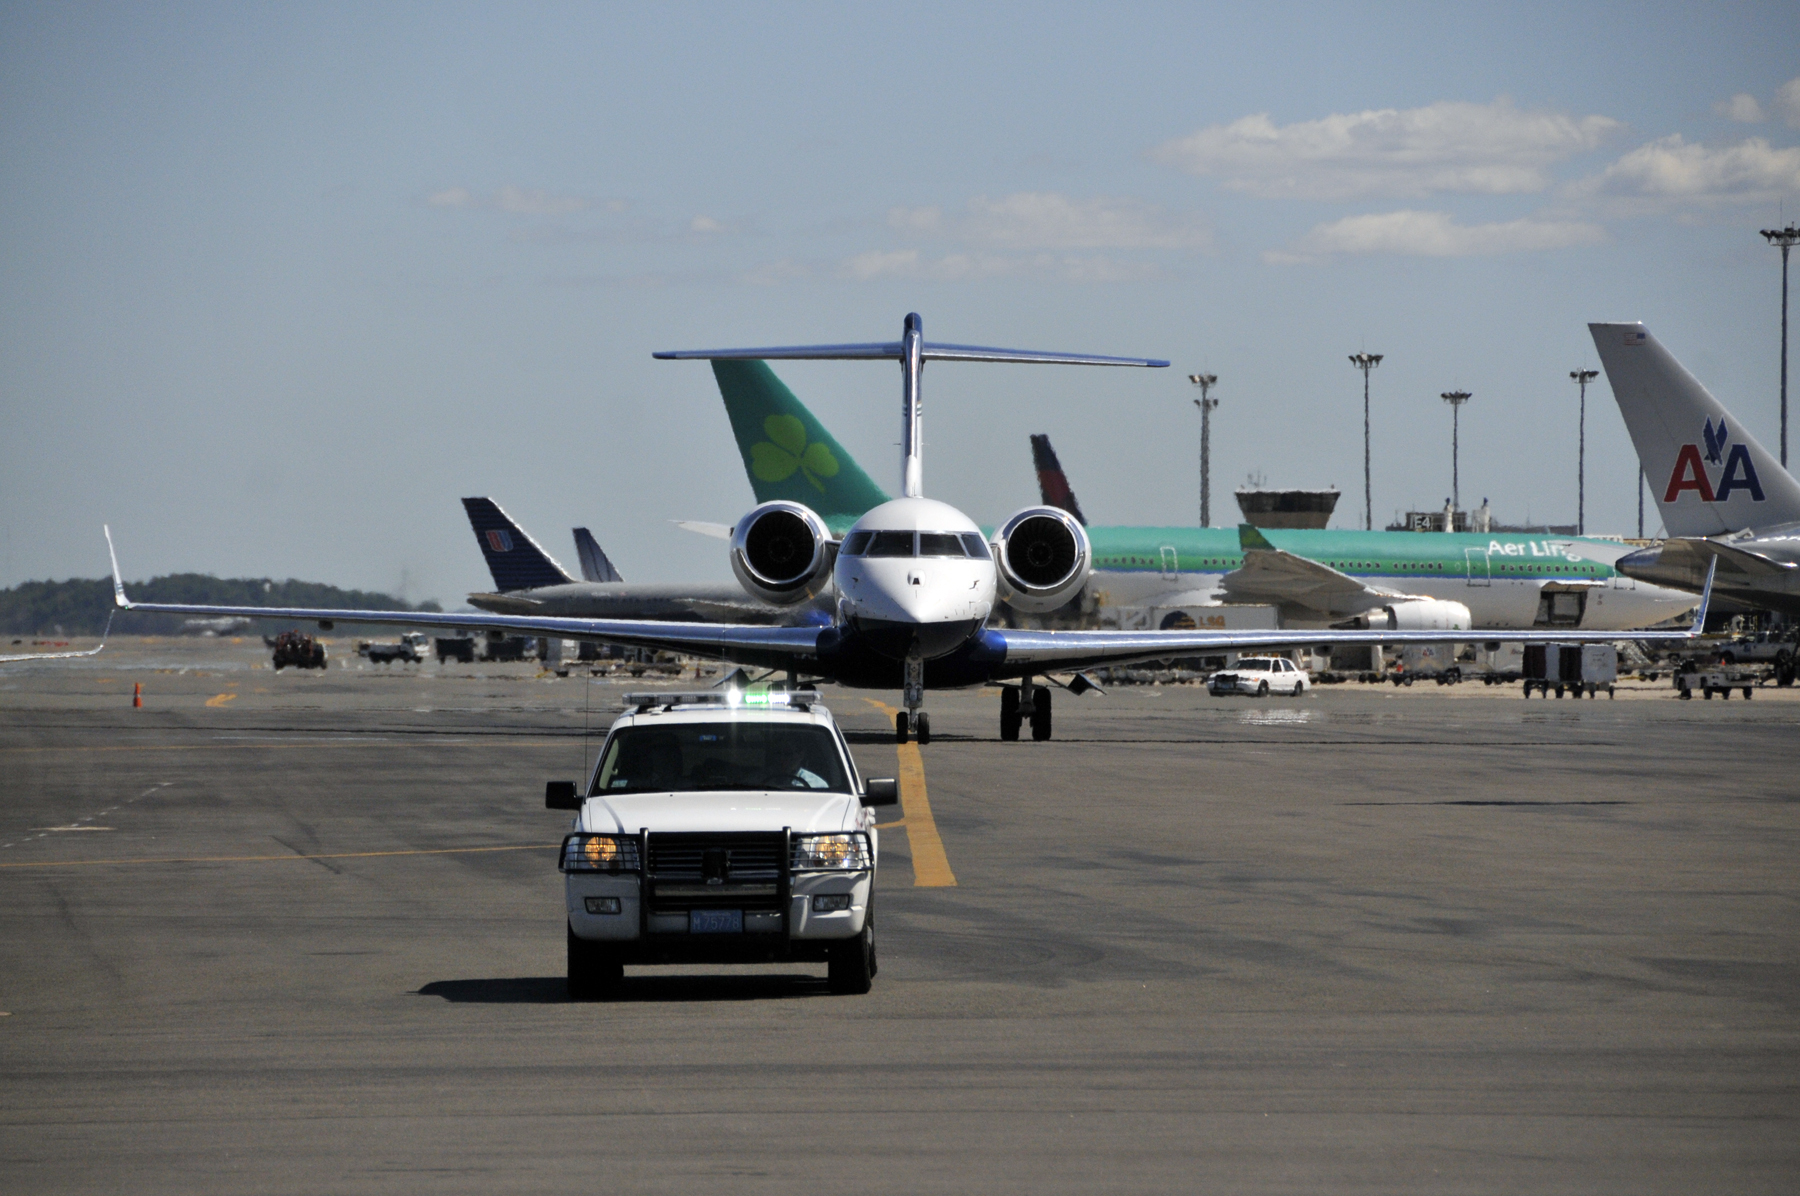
(80,607)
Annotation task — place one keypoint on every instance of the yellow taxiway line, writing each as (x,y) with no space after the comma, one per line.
(931,867)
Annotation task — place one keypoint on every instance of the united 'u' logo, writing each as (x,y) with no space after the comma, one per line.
(1690,471)
(499,541)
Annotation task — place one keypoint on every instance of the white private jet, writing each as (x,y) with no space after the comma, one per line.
(916,582)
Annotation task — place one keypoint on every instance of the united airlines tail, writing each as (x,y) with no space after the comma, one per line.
(1053,483)
(594,563)
(787,452)
(1709,475)
(514,558)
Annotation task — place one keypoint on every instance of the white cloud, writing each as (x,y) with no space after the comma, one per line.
(1448,146)
(1672,169)
(523,201)
(1741,107)
(966,267)
(705,224)
(1047,220)
(1787,102)
(1433,234)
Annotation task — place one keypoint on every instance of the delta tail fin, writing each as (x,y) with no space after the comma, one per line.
(594,563)
(1053,483)
(787,452)
(1709,476)
(514,558)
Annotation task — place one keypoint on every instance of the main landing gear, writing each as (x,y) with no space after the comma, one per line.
(1023,701)
(913,720)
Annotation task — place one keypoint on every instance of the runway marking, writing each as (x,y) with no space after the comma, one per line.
(77,824)
(323,741)
(257,859)
(931,867)
(221,699)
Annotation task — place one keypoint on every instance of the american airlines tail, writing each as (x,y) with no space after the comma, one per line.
(514,558)
(1709,475)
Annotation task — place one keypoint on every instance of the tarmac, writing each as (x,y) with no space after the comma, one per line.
(303,933)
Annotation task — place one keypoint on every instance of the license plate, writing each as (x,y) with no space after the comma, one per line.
(715,921)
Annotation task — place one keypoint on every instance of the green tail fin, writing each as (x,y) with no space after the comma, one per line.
(787,451)
(1249,538)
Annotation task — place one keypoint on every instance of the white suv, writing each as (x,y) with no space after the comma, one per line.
(721,827)
(1259,676)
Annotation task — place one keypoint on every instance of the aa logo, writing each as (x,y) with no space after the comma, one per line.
(786,450)
(1690,471)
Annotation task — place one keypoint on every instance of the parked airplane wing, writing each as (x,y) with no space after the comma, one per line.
(94,651)
(1274,575)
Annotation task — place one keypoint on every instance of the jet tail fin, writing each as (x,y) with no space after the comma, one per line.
(516,560)
(1250,538)
(1053,483)
(787,452)
(594,563)
(1708,474)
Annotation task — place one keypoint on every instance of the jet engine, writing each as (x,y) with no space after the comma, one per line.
(1042,559)
(782,552)
(1428,614)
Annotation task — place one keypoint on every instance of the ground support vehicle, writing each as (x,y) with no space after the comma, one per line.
(455,647)
(1575,668)
(1713,680)
(410,649)
(726,826)
(1259,676)
(296,649)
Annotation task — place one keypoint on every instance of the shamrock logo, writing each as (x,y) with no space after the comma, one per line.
(776,459)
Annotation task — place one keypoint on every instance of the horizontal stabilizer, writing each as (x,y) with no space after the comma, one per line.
(892,351)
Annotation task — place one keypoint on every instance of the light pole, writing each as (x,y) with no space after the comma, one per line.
(1366,362)
(1783,238)
(1582,378)
(1456,398)
(1205,382)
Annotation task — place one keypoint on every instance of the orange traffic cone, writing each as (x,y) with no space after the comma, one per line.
(137,694)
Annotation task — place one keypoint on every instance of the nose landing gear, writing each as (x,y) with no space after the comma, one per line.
(913,720)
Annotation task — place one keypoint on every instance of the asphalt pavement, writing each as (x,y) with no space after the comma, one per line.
(303,933)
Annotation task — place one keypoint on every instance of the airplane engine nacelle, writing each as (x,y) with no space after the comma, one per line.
(782,553)
(1428,614)
(1041,559)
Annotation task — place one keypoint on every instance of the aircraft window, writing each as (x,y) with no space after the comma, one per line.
(856,543)
(891,544)
(940,544)
(977,547)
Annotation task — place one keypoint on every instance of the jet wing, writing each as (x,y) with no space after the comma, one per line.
(1061,651)
(752,644)
(1696,553)
(94,651)
(1274,575)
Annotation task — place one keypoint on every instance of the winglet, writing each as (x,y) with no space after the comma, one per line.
(1705,599)
(1249,537)
(118,582)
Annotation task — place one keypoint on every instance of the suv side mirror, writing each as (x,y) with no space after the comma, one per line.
(881,791)
(560,795)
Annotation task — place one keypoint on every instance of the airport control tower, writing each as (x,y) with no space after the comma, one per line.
(1287,508)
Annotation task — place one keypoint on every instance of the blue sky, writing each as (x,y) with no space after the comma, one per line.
(280,283)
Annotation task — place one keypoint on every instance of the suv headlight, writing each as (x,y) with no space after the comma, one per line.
(832,853)
(600,853)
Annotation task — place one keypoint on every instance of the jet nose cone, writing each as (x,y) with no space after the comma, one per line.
(1636,564)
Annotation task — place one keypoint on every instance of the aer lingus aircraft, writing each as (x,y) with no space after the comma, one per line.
(916,582)
(1402,580)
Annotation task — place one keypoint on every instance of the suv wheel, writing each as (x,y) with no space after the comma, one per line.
(593,974)
(852,964)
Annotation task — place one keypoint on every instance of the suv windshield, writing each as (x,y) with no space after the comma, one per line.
(683,757)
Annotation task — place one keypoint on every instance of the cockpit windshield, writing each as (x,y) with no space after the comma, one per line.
(685,757)
(897,543)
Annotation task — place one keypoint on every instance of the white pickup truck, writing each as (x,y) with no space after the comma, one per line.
(721,827)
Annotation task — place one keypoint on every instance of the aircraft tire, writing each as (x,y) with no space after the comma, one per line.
(1040,715)
(592,975)
(900,727)
(1746,693)
(922,725)
(1009,714)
